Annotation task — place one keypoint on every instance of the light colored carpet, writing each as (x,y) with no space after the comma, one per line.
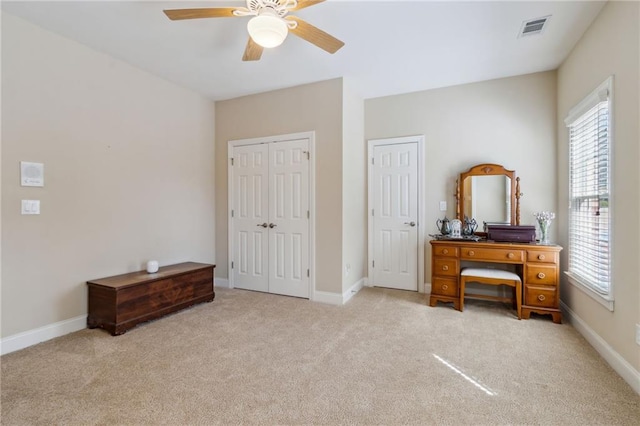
(385,358)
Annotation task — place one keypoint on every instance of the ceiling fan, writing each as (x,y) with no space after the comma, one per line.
(269,26)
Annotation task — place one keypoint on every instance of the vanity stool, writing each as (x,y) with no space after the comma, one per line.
(492,277)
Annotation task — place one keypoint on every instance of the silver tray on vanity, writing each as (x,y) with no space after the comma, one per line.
(460,238)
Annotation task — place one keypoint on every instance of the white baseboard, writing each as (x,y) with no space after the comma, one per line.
(353,290)
(425,289)
(41,334)
(337,298)
(326,297)
(318,296)
(613,358)
(221,282)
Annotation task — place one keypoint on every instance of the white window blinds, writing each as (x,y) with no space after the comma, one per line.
(589,180)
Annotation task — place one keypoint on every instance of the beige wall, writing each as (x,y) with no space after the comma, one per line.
(128,162)
(354,190)
(313,107)
(510,121)
(609,47)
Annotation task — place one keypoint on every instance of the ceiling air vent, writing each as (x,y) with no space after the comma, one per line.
(534,26)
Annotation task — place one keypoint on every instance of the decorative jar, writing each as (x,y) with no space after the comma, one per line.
(152,266)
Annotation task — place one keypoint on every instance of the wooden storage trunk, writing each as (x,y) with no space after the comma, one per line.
(119,303)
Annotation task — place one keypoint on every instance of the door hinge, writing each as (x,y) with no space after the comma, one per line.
(231,265)
(373,263)
(308,214)
(308,154)
(232,161)
(232,213)
(372,212)
(307,273)
(373,160)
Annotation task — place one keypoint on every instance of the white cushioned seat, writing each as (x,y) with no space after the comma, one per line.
(492,277)
(497,274)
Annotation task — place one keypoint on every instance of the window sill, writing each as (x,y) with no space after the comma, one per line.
(606,301)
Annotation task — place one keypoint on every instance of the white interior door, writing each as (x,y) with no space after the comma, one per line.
(271,217)
(251,217)
(288,218)
(395,216)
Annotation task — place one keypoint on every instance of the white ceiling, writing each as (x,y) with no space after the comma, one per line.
(391,47)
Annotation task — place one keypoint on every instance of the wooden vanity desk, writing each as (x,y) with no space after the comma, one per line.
(537,265)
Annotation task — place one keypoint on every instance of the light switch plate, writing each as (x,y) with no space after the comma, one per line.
(30,206)
(443,206)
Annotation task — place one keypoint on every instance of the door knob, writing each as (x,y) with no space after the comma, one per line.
(412,223)
(264,225)
(272,225)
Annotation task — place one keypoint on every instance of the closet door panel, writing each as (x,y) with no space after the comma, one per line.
(288,213)
(250,210)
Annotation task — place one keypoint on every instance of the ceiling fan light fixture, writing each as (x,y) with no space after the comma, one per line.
(267,30)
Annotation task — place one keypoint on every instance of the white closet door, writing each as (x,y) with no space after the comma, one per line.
(395,216)
(288,216)
(271,217)
(251,217)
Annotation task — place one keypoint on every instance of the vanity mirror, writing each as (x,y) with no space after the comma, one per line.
(488,193)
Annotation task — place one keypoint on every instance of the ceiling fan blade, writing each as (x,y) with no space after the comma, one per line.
(213,12)
(306,3)
(253,51)
(315,35)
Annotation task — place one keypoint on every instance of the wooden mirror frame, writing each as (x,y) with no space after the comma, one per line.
(490,170)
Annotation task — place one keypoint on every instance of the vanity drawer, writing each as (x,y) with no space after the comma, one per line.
(445,266)
(449,251)
(445,286)
(544,297)
(541,274)
(492,254)
(542,256)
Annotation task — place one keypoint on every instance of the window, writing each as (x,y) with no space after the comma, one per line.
(589,194)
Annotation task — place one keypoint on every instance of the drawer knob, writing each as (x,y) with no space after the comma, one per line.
(511,255)
(444,286)
(471,253)
(541,297)
(445,268)
(445,251)
(541,257)
(541,275)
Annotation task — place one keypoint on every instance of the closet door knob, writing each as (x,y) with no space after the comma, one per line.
(264,225)
(272,225)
